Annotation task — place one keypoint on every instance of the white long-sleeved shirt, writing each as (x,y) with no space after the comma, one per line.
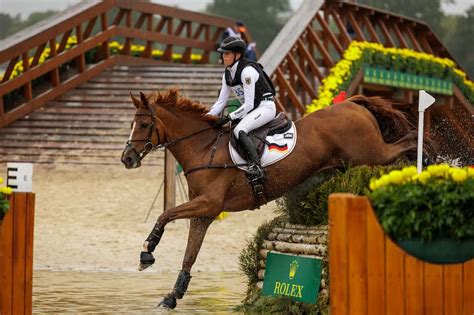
(245,92)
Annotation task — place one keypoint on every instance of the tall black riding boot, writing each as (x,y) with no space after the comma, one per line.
(255,170)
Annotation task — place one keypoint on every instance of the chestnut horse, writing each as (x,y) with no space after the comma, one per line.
(361,130)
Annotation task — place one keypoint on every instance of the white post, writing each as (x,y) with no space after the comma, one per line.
(424,101)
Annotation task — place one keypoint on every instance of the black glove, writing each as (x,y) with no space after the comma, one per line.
(221,121)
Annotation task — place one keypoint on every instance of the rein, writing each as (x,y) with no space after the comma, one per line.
(149,146)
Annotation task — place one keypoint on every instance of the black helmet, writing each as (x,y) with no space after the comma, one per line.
(232,44)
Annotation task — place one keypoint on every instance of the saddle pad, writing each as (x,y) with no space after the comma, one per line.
(281,145)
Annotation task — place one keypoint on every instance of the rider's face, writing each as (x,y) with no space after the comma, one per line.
(229,58)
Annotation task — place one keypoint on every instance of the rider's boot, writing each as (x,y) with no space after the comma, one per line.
(255,169)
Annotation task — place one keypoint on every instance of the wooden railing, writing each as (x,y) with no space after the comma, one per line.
(95,24)
(16,255)
(370,274)
(316,37)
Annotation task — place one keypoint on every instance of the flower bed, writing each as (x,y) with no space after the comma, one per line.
(435,203)
(397,59)
(4,204)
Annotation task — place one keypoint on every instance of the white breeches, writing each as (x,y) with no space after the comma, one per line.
(264,113)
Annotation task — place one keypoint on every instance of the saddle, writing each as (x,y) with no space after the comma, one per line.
(279,124)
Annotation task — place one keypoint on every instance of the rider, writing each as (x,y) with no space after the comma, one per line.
(254,91)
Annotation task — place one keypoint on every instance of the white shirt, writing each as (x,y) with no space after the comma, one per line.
(245,92)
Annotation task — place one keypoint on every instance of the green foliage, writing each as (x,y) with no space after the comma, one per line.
(308,203)
(4,205)
(263,19)
(435,209)
(249,257)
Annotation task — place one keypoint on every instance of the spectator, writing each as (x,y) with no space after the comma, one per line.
(237,31)
(251,51)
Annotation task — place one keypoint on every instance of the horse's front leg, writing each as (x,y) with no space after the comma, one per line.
(197,231)
(198,207)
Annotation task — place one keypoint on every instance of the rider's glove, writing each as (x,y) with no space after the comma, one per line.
(221,121)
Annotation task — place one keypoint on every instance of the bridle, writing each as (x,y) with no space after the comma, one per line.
(149,146)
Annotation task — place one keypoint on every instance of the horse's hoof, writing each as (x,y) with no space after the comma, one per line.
(168,302)
(146,260)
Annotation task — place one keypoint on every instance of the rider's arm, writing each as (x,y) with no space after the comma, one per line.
(249,77)
(219,105)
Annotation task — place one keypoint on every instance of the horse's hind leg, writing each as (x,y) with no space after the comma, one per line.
(393,150)
(197,231)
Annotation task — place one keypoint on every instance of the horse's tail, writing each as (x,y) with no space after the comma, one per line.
(393,123)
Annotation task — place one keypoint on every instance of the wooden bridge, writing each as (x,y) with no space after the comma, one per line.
(64,94)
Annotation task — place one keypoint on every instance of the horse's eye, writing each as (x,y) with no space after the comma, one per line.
(144,125)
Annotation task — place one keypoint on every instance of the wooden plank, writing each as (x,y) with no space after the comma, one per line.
(6,270)
(302,77)
(394,278)
(27,88)
(433,290)
(338,206)
(19,253)
(30,223)
(414,297)
(38,53)
(468,288)
(342,28)
(389,42)
(324,52)
(401,39)
(412,38)
(358,259)
(355,26)
(329,33)
(309,58)
(55,78)
(375,264)
(373,34)
(289,89)
(81,60)
(452,288)
(9,70)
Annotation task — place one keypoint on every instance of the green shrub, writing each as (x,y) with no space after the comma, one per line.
(308,203)
(436,203)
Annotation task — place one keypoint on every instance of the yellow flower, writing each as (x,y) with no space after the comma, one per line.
(6,190)
(459,175)
(470,172)
(1,180)
(396,177)
(424,177)
(222,215)
(409,171)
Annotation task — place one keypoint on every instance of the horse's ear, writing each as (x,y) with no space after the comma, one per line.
(143,99)
(135,101)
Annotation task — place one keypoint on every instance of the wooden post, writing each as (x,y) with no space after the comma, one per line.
(16,255)
(170,181)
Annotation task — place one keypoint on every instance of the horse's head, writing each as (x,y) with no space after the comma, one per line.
(147,133)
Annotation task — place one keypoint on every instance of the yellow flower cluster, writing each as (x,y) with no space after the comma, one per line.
(5,190)
(341,71)
(433,172)
(72,41)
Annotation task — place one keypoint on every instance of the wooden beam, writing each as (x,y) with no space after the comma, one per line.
(55,78)
(359,34)
(386,33)
(309,58)
(81,58)
(342,27)
(314,38)
(90,27)
(38,53)
(370,27)
(413,39)
(328,32)
(401,38)
(27,88)
(355,83)
(289,89)
(10,67)
(301,76)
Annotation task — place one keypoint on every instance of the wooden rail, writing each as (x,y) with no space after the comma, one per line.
(316,37)
(16,255)
(95,24)
(369,274)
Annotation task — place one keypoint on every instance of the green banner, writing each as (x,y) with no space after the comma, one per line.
(407,80)
(292,276)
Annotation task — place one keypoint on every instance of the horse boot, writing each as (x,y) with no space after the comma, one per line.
(146,257)
(255,171)
(180,287)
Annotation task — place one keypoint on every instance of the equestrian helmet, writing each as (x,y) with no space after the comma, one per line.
(232,44)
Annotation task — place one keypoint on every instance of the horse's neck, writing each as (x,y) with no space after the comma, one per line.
(193,150)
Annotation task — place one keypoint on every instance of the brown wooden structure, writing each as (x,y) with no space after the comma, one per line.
(96,24)
(16,255)
(370,274)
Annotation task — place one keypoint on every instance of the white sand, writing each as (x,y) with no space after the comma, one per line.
(90,218)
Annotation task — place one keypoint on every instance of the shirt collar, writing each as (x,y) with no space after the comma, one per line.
(233,69)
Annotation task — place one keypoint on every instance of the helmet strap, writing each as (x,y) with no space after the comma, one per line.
(235,60)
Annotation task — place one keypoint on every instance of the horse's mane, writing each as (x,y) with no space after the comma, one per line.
(171,100)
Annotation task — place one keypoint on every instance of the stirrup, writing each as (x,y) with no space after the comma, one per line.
(255,172)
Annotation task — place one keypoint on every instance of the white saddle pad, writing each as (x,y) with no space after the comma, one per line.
(280,146)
